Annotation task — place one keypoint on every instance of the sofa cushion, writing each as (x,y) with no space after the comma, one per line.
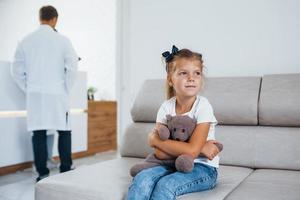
(135,140)
(147,102)
(107,180)
(279,103)
(269,184)
(229,178)
(260,147)
(234,99)
(110,180)
(247,146)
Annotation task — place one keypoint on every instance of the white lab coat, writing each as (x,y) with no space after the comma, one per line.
(44,67)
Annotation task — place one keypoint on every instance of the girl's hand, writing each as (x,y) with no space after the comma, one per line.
(153,138)
(210,150)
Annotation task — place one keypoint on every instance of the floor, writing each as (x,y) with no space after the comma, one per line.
(20,185)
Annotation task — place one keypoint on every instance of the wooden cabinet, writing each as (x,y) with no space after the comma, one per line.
(102,123)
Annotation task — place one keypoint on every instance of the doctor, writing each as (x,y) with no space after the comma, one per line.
(44,66)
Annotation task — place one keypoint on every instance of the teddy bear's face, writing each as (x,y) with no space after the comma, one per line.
(181,127)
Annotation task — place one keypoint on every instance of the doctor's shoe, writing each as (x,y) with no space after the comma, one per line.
(51,164)
(41,177)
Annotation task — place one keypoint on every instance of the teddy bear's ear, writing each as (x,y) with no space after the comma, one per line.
(194,120)
(169,117)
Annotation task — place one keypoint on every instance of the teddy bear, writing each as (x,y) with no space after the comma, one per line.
(178,128)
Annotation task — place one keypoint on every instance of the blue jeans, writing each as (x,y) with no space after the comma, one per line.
(163,183)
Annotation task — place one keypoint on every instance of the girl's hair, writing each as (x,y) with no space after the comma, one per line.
(171,64)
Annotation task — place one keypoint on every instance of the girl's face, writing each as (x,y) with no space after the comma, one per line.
(186,79)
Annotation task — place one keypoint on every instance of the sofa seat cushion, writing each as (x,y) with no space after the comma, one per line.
(110,180)
(107,180)
(229,178)
(269,184)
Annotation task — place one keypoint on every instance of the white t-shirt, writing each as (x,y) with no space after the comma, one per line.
(202,111)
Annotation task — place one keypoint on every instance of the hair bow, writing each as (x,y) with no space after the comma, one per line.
(168,56)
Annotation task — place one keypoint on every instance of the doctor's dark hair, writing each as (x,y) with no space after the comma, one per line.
(172,63)
(47,13)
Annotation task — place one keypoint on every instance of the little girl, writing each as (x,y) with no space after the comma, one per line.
(184,79)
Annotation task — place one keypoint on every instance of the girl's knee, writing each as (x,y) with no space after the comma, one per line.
(167,182)
(164,189)
(146,178)
(141,186)
(142,180)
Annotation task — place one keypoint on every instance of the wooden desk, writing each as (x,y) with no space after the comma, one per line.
(102,123)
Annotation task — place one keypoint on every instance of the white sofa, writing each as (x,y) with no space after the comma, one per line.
(259,126)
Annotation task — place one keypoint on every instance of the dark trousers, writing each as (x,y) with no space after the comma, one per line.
(40,153)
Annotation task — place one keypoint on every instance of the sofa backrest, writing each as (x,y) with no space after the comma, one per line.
(148,100)
(260,146)
(242,108)
(279,103)
(234,99)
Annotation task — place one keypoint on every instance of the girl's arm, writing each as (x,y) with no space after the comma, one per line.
(162,155)
(159,153)
(209,150)
(175,148)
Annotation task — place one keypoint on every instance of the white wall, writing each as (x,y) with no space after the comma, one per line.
(90,24)
(236,38)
